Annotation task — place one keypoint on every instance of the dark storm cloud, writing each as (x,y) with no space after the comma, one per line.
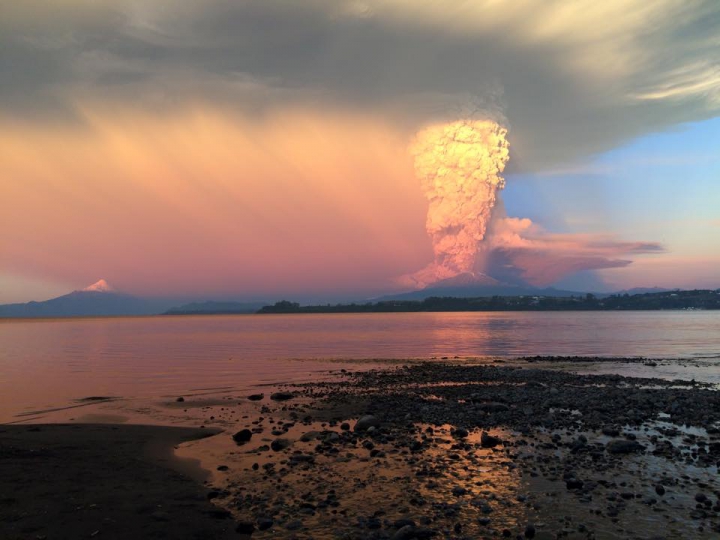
(575,78)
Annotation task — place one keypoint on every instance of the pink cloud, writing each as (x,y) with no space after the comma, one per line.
(520,250)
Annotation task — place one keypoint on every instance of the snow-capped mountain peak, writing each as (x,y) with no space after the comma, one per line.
(99,286)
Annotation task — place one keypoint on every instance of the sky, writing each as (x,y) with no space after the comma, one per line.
(338,148)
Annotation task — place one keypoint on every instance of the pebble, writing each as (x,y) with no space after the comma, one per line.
(243,436)
(282,396)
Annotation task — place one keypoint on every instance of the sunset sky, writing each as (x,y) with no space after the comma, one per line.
(345,149)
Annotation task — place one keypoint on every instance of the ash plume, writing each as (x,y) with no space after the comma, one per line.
(459,165)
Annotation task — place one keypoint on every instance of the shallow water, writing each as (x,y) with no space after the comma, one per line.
(47,364)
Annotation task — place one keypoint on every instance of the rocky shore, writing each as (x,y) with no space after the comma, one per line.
(437,449)
(451,451)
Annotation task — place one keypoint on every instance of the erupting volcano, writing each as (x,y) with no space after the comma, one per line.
(459,165)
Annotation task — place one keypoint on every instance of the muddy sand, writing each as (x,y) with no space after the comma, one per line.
(103,481)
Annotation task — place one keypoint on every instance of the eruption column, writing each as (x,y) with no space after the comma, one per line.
(459,165)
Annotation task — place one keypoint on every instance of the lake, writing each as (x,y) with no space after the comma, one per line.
(50,363)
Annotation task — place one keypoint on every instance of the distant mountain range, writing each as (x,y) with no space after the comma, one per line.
(472,285)
(97,300)
(101,300)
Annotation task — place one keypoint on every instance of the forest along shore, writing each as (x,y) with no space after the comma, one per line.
(449,451)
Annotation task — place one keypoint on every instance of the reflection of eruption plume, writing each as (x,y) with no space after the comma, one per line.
(459,165)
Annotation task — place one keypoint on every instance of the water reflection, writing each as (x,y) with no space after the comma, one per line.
(46,363)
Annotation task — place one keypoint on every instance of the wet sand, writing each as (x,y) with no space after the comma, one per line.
(512,449)
(103,481)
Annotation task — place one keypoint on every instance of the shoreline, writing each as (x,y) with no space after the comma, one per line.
(474,452)
(545,465)
(304,313)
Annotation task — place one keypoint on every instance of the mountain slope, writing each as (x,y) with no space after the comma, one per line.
(99,299)
(476,286)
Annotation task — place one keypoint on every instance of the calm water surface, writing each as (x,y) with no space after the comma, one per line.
(49,363)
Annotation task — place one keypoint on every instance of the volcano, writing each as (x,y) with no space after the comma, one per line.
(97,300)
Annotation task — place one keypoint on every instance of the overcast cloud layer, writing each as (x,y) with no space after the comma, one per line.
(574,77)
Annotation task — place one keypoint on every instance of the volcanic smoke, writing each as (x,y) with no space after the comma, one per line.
(459,165)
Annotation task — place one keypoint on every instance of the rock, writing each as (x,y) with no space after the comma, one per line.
(264,523)
(530,531)
(302,458)
(404,533)
(345,426)
(256,397)
(367,422)
(489,441)
(411,532)
(245,527)
(574,483)
(294,525)
(660,489)
(611,431)
(223,468)
(460,433)
(242,436)
(493,407)
(701,497)
(282,396)
(180,399)
(620,446)
(280,444)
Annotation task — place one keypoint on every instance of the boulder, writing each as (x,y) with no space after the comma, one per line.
(489,441)
(280,444)
(242,436)
(621,446)
(366,422)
